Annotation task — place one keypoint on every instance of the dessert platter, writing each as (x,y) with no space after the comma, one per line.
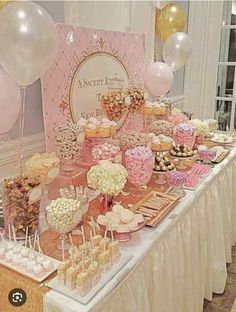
(154,207)
(89,267)
(26,260)
(122,222)
(221,153)
(182,151)
(163,164)
(222,138)
(196,175)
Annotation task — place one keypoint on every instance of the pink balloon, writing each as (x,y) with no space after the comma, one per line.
(159,79)
(9,102)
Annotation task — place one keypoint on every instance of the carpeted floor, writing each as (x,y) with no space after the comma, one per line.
(227,301)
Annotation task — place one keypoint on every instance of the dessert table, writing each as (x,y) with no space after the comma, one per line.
(180,262)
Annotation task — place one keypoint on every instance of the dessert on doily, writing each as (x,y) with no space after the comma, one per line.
(181,150)
(43,166)
(161,127)
(130,139)
(94,127)
(160,142)
(163,163)
(106,151)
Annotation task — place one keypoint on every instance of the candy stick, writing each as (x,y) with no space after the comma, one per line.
(26,235)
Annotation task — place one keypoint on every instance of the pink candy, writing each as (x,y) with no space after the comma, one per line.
(176,178)
(138,162)
(184,134)
(105,151)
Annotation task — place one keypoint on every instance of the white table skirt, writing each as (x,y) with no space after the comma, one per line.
(178,264)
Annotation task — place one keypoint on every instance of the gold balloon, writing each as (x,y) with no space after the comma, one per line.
(169,20)
(3,4)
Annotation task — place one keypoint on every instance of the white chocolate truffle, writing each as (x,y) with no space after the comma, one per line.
(122,228)
(30,266)
(2,252)
(102,220)
(47,265)
(126,216)
(138,218)
(9,256)
(24,252)
(16,259)
(38,270)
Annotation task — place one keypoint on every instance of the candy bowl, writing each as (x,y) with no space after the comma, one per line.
(176,179)
(126,236)
(62,216)
(206,155)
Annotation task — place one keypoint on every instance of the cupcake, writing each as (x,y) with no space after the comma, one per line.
(147,109)
(104,130)
(113,128)
(159,108)
(82,122)
(90,130)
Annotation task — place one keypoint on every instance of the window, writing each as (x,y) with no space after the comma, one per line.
(226,81)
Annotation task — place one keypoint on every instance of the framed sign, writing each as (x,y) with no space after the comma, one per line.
(89,63)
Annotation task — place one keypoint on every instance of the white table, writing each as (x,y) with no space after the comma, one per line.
(178,264)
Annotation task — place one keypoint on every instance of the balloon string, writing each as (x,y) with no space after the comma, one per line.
(21,127)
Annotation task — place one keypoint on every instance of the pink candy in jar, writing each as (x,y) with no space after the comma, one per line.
(139,165)
(185,134)
(206,155)
(106,151)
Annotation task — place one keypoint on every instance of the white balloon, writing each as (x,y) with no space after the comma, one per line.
(160,4)
(28,41)
(177,50)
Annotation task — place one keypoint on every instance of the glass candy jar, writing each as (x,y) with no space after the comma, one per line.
(21,205)
(139,165)
(184,134)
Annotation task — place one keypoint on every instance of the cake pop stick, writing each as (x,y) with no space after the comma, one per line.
(39,247)
(63,250)
(14,236)
(35,238)
(71,240)
(112,236)
(26,236)
(9,232)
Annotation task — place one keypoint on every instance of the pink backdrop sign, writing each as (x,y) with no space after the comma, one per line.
(88,63)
